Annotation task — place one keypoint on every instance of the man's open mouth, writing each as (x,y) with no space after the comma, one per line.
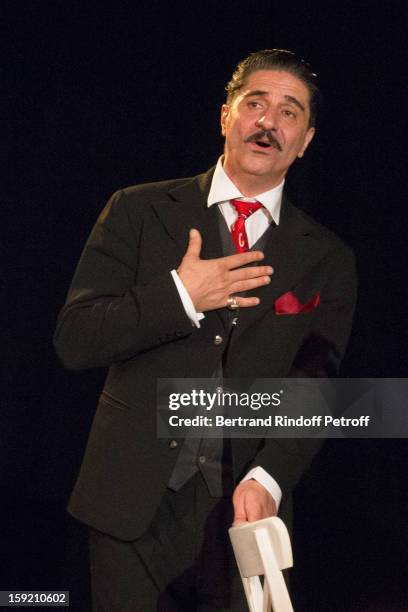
(264,140)
(266,144)
(263,144)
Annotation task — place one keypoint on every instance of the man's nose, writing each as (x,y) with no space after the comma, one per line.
(267,121)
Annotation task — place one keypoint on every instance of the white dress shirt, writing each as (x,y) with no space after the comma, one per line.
(223,190)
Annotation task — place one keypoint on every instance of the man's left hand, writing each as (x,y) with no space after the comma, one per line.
(252,502)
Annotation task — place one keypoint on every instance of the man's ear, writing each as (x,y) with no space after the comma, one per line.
(308,139)
(225,109)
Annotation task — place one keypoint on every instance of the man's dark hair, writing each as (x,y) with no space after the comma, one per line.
(276,59)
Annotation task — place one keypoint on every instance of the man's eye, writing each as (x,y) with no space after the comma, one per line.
(254,105)
(288,113)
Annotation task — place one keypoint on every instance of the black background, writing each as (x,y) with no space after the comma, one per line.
(98,96)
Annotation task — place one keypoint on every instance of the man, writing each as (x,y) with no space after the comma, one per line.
(147,307)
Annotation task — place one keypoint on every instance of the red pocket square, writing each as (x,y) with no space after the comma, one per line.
(288,303)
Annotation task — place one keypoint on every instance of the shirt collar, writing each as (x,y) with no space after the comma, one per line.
(223,189)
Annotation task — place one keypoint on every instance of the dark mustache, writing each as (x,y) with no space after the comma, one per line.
(261,134)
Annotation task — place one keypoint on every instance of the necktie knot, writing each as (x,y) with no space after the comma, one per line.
(245,209)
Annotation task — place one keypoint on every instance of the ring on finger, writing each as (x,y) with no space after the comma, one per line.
(232,303)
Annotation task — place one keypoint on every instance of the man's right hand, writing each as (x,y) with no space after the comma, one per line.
(210,282)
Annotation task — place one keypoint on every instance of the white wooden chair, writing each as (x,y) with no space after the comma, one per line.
(263,548)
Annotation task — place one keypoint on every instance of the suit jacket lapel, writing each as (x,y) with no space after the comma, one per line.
(187,210)
(293,248)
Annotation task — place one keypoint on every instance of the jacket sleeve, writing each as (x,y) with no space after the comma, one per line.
(108,315)
(319,356)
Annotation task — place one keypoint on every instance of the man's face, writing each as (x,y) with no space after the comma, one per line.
(266,127)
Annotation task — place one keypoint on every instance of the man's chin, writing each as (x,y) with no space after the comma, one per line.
(253,167)
(259,168)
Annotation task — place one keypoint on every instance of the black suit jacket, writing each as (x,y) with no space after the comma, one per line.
(123,311)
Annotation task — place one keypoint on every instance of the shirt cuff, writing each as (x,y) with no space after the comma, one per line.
(194,316)
(266,480)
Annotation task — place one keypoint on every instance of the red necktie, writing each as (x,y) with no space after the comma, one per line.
(238,233)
